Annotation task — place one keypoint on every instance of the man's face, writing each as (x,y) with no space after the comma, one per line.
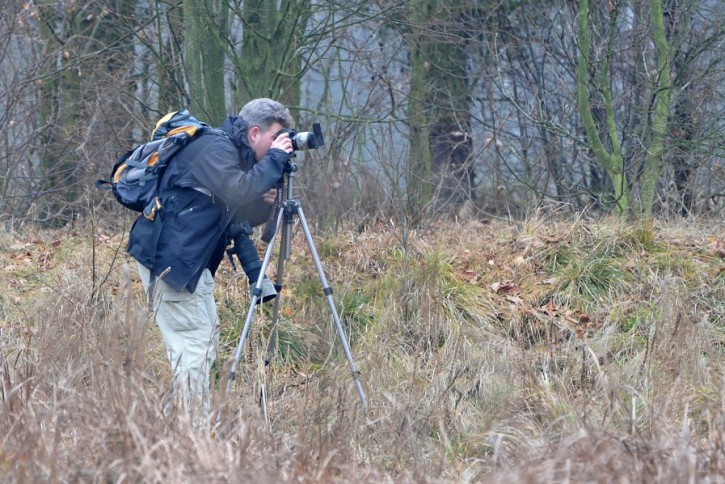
(261,141)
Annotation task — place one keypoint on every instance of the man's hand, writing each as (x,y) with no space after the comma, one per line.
(270,196)
(283,143)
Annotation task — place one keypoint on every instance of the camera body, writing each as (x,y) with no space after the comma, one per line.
(305,140)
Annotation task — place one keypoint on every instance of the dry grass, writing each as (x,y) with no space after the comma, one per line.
(545,351)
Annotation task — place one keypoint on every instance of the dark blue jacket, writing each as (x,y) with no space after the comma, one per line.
(209,184)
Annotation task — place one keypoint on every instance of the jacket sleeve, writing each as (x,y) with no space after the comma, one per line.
(217,168)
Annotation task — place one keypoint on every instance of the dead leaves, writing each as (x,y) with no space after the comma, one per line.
(574,320)
(35,254)
(510,290)
(716,247)
(571,319)
(470,276)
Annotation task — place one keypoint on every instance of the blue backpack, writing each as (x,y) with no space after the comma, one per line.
(135,177)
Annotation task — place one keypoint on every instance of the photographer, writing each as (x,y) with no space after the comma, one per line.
(223,178)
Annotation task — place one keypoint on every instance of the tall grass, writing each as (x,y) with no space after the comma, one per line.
(548,351)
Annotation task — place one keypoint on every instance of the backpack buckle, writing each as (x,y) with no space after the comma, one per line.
(152,209)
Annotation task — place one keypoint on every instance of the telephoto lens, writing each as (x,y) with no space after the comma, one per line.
(246,252)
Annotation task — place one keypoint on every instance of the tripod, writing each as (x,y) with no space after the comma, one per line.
(291,208)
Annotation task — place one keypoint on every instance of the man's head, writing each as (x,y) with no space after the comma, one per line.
(264,118)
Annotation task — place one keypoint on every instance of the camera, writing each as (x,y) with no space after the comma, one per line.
(305,140)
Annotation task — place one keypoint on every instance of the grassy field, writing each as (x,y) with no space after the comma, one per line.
(541,351)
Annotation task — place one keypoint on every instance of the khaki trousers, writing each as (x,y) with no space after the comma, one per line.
(189,326)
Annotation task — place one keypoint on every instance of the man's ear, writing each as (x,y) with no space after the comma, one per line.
(253,133)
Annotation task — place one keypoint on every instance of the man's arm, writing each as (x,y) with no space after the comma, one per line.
(217,169)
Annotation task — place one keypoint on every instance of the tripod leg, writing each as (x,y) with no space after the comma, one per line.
(256,293)
(328,293)
(284,241)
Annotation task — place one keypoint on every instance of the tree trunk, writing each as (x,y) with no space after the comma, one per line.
(610,159)
(270,62)
(83,46)
(662,88)
(439,118)
(206,26)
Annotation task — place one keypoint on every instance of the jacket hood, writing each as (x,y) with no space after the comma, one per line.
(236,128)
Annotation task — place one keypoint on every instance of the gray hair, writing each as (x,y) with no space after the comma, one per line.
(263,112)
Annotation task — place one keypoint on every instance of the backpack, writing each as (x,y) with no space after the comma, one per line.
(135,177)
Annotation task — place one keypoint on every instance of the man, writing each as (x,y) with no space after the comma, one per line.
(223,176)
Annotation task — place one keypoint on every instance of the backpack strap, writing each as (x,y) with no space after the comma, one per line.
(156,234)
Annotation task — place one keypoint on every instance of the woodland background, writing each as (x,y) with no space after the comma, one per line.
(518,204)
(500,106)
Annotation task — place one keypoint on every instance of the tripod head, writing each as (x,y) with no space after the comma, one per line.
(282,199)
(290,166)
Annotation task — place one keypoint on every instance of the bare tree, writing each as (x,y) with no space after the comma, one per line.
(606,104)
(541,148)
(635,177)
(76,49)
